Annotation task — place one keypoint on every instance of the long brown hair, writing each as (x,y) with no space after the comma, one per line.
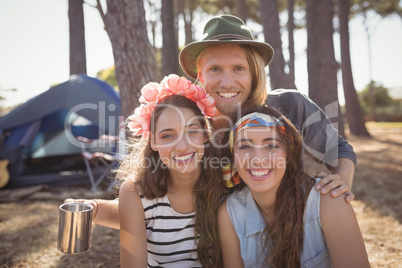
(284,237)
(151,175)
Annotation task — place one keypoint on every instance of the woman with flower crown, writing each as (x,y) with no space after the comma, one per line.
(170,187)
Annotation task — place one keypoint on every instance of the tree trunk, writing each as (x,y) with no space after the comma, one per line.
(176,33)
(321,64)
(272,35)
(169,46)
(78,63)
(181,10)
(186,8)
(291,28)
(189,22)
(373,105)
(242,10)
(354,112)
(132,51)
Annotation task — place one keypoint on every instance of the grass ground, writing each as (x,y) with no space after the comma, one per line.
(28,228)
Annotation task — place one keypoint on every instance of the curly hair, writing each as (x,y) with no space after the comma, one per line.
(284,237)
(150,175)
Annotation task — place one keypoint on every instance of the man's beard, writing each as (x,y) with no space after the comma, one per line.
(230,110)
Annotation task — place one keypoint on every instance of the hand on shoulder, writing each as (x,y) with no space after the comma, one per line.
(334,185)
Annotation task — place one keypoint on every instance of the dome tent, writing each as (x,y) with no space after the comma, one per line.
(46,126)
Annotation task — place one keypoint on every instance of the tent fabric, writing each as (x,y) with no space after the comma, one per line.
(48,124)
(79,89)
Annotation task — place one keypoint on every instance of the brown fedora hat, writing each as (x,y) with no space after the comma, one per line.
(223,29)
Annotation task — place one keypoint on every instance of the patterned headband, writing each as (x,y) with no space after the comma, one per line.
(152,93)
(230,175)
(255,120)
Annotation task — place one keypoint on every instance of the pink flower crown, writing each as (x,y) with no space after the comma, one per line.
(152,93)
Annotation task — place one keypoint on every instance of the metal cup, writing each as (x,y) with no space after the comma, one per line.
(75,225)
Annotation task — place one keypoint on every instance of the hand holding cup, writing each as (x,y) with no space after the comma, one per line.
(75,226)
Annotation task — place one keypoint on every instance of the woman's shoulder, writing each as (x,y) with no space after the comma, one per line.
(240,204)
(238,197)
(334,209)
(128,186)
(333,204)
(128,193)
(236,203)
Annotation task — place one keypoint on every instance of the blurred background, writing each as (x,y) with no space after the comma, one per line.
(126,44)
(35,47)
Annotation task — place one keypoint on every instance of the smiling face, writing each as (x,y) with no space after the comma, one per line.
(225,73)
(260,158)
(179,139)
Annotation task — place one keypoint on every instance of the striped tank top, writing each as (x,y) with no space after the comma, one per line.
(170,235)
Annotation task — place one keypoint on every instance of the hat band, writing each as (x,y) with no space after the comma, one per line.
(229,37)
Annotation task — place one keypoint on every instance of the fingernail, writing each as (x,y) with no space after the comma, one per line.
(324,190)
(335,192)
(318,187)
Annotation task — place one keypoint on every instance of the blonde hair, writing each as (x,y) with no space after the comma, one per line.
(258,93)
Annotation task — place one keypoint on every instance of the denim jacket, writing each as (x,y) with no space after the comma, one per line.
(249,226)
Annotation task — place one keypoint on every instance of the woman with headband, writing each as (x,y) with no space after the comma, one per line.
(273,218)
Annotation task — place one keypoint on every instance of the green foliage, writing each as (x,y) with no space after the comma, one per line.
(254,10)
(214,7)
(382,7)
(382,98)
(109,76)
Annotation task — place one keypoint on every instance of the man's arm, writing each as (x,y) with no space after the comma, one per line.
(320,138)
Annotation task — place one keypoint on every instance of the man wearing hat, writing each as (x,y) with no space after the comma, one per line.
(231,66)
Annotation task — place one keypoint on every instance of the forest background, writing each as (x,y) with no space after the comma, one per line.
(160,26)
(28,228)
(132,48)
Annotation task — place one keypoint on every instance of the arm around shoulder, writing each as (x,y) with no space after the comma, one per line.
(133,241)
(230,245)
(342,233)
